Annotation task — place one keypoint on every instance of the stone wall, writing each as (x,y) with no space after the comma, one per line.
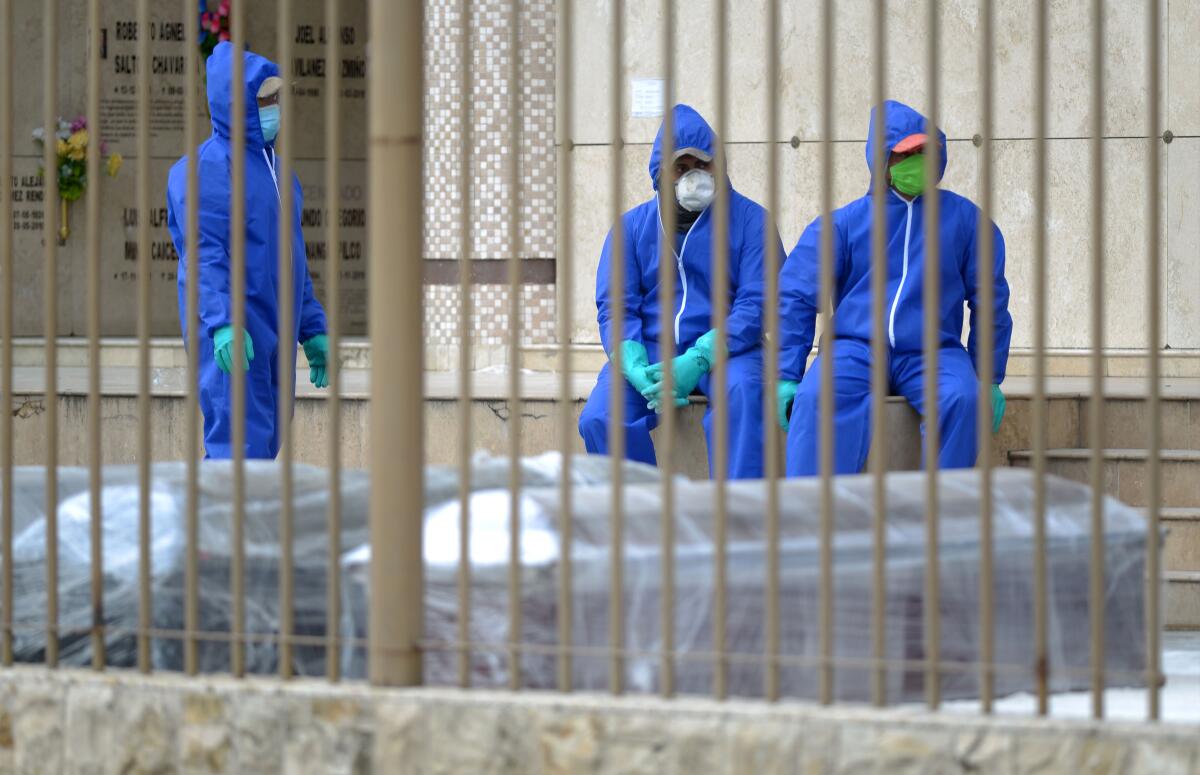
(83,722)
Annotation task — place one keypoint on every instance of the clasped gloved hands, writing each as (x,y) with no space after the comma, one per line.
(635,365)
(785,395)
(223,349)
(686,370)
(316,350)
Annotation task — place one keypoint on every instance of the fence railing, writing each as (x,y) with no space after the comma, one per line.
(396,184)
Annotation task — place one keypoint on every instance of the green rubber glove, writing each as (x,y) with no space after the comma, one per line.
(998,403)
(687,369)
(785,394)
(316,350)
(223,349)
(634,361)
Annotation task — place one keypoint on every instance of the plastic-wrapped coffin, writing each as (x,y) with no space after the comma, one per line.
(168,502)
(1068,530)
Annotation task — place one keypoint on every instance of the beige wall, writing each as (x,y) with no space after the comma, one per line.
(799,114)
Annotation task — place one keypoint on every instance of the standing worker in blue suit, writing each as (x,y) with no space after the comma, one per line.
(958,385)
(691,190)
(214,164)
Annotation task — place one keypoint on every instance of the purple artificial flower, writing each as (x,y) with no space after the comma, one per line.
(78,123)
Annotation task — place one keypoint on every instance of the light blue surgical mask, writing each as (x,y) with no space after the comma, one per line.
(268,119)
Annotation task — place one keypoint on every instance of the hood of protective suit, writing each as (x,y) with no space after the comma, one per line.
(220,94)
(902,121)
(691,131)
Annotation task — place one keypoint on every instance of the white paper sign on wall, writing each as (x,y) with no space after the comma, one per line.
(647,97)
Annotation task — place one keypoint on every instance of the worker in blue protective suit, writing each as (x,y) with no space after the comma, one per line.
(958,386)
(264,414)
(690,189)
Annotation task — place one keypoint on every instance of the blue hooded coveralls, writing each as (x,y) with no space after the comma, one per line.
(263,413)
(958,386)
(642,228)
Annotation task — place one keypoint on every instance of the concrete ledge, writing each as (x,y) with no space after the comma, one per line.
(84,722)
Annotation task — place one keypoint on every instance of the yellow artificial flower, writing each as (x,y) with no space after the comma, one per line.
(62,149)
(79,139)
(114,165)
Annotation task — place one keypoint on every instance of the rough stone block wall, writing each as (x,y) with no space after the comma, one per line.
(84,722)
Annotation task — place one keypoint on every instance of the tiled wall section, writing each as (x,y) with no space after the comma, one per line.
(489,322)
(491,126)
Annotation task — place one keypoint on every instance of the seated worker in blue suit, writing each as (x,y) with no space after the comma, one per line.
(692,189)
(260,360)
(958,385)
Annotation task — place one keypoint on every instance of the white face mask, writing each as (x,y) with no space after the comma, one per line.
(695,190)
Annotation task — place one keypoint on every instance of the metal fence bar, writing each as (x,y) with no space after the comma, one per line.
(143,328)
(465,331)
(191,126)
(395,299)
(879,360)
(6,330)
(666,348)
(564,126)
(1096,402)
(827,397)
(1038,415)
(50,205)
(718,380)
(616,410)
(985,366)
(93,334)
(1153,366)
(772,442)
(237,220)
(931,292)
(513,182)
(282,155)
(333,320)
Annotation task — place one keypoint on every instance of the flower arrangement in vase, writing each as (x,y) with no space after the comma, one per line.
(71,142)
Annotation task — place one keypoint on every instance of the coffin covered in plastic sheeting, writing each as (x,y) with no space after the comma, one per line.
(168,502)
(1068,520)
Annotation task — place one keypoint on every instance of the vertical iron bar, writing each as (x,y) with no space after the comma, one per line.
(144,317)
(986,293)
(1038,416)
(1153,373)
(719,378)
(513,182)
(827,399)
(564,126)
(191,107)
(616,409)
(396,314)
(666,349)
(1096,417)
(287,345)
(931,294)
(6,329)
(772,451)
(879,363)
(93,314)
(333,320)
(237,141)
(50,207)
(465,331)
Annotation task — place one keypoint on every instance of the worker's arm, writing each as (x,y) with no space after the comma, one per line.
(798,302)
(213,248)
(312,314)
(629,297)
(1003,320)
(745,320)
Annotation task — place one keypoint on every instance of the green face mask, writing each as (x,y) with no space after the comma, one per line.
(908,176)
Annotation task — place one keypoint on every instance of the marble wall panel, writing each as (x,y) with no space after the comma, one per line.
(1183,68)
(801,63)
(1182,256)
